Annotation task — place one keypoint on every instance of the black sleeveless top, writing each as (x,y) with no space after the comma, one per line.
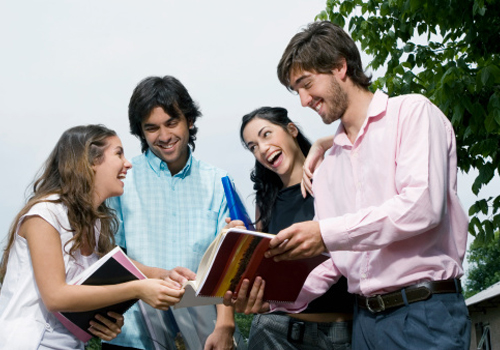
(290,207)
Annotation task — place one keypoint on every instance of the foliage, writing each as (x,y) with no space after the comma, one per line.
(484,268)
(244,322)
(456,67)
(94,344)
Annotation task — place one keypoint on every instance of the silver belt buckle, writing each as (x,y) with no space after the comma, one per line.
(380,303)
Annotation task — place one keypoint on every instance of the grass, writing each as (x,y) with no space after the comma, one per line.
(244,322)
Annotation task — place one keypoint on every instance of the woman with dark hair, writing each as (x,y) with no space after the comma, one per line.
(64,228)
(280,150)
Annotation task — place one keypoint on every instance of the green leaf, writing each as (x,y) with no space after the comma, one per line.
(486,173)
(322,16)
(409,47)
(473,209)
(488,229)
(490,122)
(486,77)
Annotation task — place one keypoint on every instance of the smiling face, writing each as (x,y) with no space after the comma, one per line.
(321,92)
(275,148)
(167,138)
(110,171)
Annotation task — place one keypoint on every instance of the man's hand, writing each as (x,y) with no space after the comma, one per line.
(222,336)
(299,241)
(251,304)
(220,339)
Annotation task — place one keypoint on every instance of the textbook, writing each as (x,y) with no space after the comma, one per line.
(237,210)
(113,268)
(238,254)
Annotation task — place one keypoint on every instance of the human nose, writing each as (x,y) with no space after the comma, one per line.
(127,165)
(263,148)
(163,134)
(305,98)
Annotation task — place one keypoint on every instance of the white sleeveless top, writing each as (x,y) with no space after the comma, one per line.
(25,323)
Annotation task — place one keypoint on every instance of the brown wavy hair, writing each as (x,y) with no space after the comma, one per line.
(68,174)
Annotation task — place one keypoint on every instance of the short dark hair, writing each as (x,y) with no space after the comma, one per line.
(167,93)
(321,47)
(267,183)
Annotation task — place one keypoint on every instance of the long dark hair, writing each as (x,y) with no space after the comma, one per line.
(267,183)
(68,173)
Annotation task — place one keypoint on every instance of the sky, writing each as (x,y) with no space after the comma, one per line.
(67,63)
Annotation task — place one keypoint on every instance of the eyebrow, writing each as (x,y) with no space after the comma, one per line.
(260,131)
(258,134)
(298,81)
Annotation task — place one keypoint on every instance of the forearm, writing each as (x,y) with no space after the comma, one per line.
(149,271)
(225,317)
(75,298)
(324,142)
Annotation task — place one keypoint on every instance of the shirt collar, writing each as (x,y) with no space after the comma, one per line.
(377,107)
(158,165)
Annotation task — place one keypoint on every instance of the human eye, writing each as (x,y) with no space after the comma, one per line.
(267,133)
(172,123)
(150,128)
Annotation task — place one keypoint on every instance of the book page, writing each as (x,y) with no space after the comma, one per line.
(190,299)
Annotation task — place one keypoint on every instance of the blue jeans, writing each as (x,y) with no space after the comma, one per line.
(441,323)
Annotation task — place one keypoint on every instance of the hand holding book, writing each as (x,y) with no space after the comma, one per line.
(238,254)
(245,302)
(126,284)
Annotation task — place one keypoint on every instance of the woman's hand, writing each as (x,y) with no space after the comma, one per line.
(159,294)
(313,160)
(234,223)
(178,276)
(106,329)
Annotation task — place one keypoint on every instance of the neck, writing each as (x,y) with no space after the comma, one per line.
(355,115)
(177,166)
(295,176)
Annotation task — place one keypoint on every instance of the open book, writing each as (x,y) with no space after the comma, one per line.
(113,268)
(238,254)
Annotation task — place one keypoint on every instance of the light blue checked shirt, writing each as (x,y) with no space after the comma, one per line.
(167,221)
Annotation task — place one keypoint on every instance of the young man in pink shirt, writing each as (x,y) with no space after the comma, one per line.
(386,205)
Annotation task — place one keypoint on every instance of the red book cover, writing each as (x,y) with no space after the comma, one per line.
(237,254)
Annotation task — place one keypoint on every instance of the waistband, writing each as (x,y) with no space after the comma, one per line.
(411,294)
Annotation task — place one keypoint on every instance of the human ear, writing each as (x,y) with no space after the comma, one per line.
(292,129)
(341,70)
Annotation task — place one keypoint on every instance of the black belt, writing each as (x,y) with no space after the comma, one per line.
(415,292)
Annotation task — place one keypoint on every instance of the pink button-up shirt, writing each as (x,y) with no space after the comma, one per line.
(387,205)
